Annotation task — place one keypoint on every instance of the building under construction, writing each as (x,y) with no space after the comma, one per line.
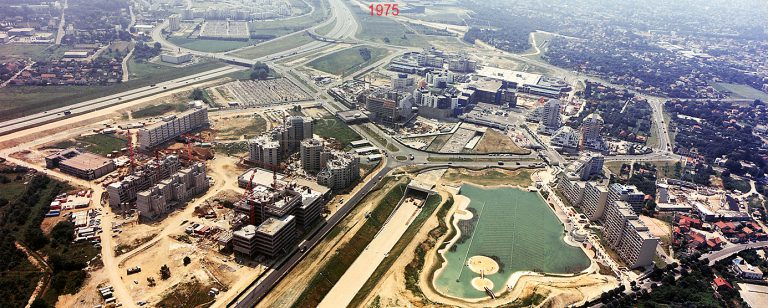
(123,193)
(172,192)
(280,208)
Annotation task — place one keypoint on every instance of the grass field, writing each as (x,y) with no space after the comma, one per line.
(741,91)
(253,127)
(25,100)
(273,46)
(487,177)
(324,30)
(102,144)
(210,45)
(347,61)
(336,129)
(438,143)
(34,51)
(156,110)
(381,29)
(12,188)
(294,24)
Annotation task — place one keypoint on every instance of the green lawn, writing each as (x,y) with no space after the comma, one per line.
(102,144)
(156,110)
(336,129)
(209,45)
(12,188)
(348,61)
(273,46)
(324,30)
(294,24)
(34,51)
(25,100)
(382,29)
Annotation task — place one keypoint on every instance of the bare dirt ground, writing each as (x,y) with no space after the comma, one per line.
(496,142)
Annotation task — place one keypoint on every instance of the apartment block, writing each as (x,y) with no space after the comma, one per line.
(124,192)
(171,192)
(171,127)
(595,200)
(264,151)
(628,236)
(341,170)
(629,194)
(311,152)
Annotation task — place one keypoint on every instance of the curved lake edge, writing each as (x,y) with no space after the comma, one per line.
(441,262)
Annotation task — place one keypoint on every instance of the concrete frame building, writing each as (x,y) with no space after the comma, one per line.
(311,154)
(590,130)
(340,170)
(628,236)
(264,151)
(595,200)
(84,165)
(179,188)
(550,116)
(271,238)
(629,194)
(171,127)
(124,192)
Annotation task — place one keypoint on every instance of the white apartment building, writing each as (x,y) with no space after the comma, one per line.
(340,170)
(264,151)
(628,236)
(171,127)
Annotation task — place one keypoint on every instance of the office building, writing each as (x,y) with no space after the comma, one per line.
(339,171)
(172,192)
(311,207)
(629,194)
(171,127)
(264,151)
(311,150)
(746,270)
(84,165)
(271,238)
(389,108)
(176,58)
(401,82)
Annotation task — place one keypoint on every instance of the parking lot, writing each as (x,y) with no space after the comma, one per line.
(264,92)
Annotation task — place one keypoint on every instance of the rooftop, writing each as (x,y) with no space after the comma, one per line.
(86,161)
(272,225)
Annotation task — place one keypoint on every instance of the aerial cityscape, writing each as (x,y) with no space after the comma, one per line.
(415,153)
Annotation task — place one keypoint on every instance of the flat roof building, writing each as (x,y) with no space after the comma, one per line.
(271,238)
(171,127)
(84,165)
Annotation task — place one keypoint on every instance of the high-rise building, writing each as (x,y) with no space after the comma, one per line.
(264,151)
(628,236)
(299,128)
(590,130)
(171,127)
(593,165)
(595,199)
(340,170)
(311,150)
(629,194)
(174,22)
(550,116)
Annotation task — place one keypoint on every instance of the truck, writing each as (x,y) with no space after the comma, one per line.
(133,270)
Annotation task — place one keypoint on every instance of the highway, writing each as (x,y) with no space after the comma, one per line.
(99,103)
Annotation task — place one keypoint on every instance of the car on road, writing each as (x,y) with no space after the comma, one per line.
(501,163)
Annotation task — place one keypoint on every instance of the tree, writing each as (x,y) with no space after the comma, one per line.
(197,94)
(158,46)
(165,272)
(187,260)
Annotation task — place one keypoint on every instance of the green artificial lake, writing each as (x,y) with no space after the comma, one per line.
(514,227)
